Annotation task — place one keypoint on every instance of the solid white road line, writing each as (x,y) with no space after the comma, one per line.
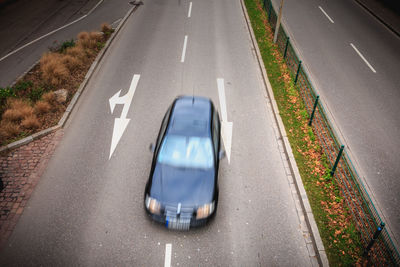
(184,49)
(226,127)
(363,58)
(323,11)
(50,33)
(222,101)
(190,10)
(168,250)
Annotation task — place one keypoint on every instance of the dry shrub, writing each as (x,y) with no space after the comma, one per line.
(50,98)
(77,52)
(53,70)
(42,107)
(83,36)
(12,115)
(89,44)
(85,41)
(17,110)
(15,103)
(72,63)
(106,28)
(30,122)
(27,111)
(97,36)
(47,57)
(8,129)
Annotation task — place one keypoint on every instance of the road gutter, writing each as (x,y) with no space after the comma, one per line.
(76,96)
(309,227)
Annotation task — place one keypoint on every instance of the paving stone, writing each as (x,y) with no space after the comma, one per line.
(20,170)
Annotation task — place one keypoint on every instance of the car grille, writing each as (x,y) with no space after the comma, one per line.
(179,221)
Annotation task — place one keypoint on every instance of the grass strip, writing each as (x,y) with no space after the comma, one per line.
(336,227)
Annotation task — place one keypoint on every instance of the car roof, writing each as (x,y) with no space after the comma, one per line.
(191,116)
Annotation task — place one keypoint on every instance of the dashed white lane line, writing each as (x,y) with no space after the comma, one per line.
(363,58)
(184,49)
(323,11)
(168,250)
(50,33)
(190,10)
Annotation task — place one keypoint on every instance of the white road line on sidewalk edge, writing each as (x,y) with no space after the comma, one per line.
(50,33)
(363,58)
(323,11)
(184,49)
(190,10)
(168,250)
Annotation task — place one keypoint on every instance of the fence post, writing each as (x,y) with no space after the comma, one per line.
(375,237)
(337,160)
(297,73)
(313,111)
(287,44)
(278,22)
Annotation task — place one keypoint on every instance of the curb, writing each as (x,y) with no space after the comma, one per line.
(304,208)
(76,96)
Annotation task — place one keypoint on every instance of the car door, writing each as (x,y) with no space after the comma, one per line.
(216,129)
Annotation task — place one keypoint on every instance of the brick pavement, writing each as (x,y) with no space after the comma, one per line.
(20,171)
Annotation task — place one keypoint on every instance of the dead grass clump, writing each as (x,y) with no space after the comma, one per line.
(42,107)
(53,70)
(30,122)
(8,129)
(77,52)
(97,36)
(83,36)
(15,103)
(72,63)
(85,41)
(17,110)
(106,28)
(50,98)
(47,57)
(12,115)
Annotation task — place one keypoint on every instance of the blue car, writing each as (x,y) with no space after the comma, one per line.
(182,189)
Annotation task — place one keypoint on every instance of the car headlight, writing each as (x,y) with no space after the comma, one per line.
(204,211)
(153,205)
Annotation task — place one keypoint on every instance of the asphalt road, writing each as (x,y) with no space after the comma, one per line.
(87,209)
(23,22)
(364,104)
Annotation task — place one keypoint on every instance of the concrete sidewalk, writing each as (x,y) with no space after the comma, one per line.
(385,13)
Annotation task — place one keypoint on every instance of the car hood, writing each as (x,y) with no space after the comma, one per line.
(188,186)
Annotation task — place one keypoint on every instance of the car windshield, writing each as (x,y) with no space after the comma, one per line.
(186,151)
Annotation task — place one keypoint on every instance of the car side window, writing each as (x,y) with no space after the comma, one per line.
(215,132)
(163,127)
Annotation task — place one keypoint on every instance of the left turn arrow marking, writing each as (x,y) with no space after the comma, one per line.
(121,123)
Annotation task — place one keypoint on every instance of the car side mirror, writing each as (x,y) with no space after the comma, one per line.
(221,154)
(152,147)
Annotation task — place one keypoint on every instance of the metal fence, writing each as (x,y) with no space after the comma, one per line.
(378,246)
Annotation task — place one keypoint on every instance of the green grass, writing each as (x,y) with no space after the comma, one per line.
(337,230)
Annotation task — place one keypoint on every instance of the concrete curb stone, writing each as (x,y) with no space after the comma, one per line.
(316,248)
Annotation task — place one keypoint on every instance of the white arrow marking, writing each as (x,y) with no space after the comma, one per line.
(121,123)
(226,130)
